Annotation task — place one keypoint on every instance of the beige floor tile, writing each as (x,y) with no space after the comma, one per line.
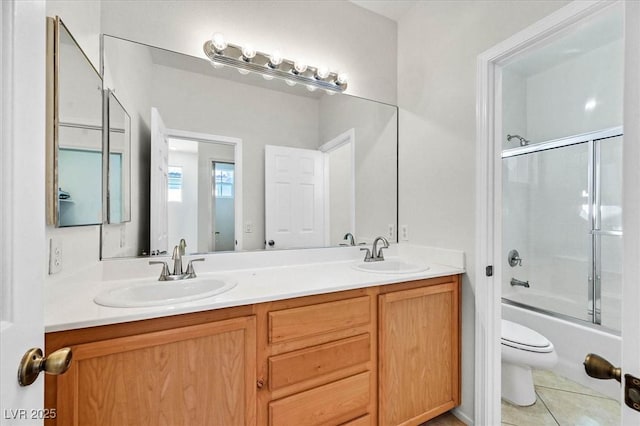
(534,415)
(571,409)
(548,379)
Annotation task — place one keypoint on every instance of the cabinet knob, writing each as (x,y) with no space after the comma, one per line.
(260,383)
(33,363)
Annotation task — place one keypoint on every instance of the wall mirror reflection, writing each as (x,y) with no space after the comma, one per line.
(119,164)
(235,162)
(74,132)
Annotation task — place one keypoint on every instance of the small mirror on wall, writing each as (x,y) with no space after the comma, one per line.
(119,163)
(74,132)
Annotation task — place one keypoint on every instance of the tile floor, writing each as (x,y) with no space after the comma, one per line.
(564,403)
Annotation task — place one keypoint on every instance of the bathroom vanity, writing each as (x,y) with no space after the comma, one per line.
(385,351)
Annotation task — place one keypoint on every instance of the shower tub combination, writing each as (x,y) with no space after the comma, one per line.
(562,214)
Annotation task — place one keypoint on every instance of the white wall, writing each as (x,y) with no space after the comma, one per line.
(81,245)
(339,34)
(133,90)
(191,101)
(438,44)
(375,126)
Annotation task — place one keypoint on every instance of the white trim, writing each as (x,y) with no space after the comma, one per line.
(237,155)
(488,197)
(342,139)
(6,160)
(631,203)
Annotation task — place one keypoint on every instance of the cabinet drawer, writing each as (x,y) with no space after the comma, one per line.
(306,321)
(331,404)
(305,364)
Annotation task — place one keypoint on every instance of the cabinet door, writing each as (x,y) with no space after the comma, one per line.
(198,375)
(419,358)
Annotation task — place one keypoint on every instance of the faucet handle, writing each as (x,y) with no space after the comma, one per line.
(165,269)
(367,256)
(191,273)
(380,254)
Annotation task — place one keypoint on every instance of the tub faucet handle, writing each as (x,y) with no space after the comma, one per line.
(514,258)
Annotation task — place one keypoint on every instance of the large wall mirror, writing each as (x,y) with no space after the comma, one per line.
(74,132)
(235,162)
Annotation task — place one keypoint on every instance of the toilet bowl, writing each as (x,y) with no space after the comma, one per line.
(522,350)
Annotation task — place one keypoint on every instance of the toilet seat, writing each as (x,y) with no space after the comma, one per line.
(520,337)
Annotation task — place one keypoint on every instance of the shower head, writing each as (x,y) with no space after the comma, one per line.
(523,141)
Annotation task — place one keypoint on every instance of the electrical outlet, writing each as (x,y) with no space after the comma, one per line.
(248,227)
(55,257)
(391,231)
(404,232)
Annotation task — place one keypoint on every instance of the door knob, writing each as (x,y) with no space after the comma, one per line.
(271,243)
(33,363)
(599,368)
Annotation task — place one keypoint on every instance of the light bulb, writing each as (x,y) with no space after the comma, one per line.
(290,82)
(299,67)
(243,71)
(275,59)
(342,78)
(219,43)
(248,52)
(311,88)
(322,72)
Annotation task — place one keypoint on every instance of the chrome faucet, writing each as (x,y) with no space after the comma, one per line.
(350,238)
(178,274)
(375,254)
(178,252)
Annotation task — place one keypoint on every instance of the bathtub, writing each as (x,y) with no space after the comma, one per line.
(572,342)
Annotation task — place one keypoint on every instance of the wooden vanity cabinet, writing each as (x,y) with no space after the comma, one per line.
(419,351)
(202,373)
(319,360)
(387,355)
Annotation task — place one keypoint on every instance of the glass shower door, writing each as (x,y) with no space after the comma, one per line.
(546,218)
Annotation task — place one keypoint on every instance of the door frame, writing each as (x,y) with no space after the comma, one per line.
(488,202)
(237,154)
(342,139)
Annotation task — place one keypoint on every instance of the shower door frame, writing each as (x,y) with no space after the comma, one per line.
(594,282)
(487,274)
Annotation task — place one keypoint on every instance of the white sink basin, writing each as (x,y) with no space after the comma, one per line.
(159,293)
(391,266)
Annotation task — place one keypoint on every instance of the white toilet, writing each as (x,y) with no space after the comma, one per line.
(522,350)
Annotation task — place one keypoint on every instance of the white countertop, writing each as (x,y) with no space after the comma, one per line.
(69,300)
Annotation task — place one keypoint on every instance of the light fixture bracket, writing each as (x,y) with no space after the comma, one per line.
(232,56)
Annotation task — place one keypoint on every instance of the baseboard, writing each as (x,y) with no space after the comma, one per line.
(462,416)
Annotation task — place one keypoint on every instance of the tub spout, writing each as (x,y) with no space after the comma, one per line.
(516,282)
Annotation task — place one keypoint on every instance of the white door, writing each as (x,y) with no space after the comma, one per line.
(159,220)
(294,197)
(22,210)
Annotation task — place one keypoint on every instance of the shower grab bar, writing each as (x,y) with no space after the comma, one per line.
(516,282)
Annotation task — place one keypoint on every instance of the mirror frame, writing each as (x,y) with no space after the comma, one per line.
(52,121)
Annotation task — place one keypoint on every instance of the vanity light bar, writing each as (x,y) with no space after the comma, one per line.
(222,53)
